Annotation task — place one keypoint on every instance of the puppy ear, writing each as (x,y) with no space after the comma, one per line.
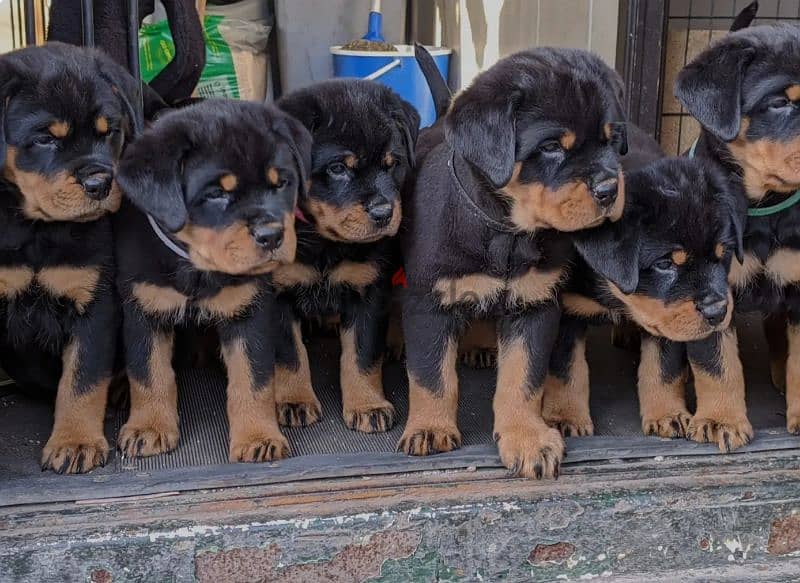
(10,77)
(482,131)
(151,177)
(300,142)
(745,17)
(736,205)
(710,87)
(612,250)
(407,119)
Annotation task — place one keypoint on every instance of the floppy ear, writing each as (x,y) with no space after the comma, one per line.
(300,142)
(745,17)
(612,250)
(10,77)
(710,87)
(736,205)
(407,119)
(483,133)
(151,176)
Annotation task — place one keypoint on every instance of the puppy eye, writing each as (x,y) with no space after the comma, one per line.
(779,103)
(337,169)
(218,194)
(550,147)
(45,140)
(280,184)
(664,264)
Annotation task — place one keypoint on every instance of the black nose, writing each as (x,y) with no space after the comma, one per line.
(605,192)
(269,236)
(97,185)
(381,212)
(713,309)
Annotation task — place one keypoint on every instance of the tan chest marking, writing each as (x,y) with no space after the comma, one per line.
(230,301)
(294,274)
(742,273)
(783,266)
(476,288)
(14,280)
(166,301)
(535,286)
(579,305)
(356,275)
(160,301)
(74,283)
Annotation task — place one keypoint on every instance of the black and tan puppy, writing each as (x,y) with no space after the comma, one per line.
(745,92)
(664,265)
(213,189)
(65,116)
(363,152)
(531,152)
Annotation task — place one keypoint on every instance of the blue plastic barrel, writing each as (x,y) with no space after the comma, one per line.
(398,70)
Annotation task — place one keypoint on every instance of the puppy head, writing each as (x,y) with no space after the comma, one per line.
(223,177)
(545,127)
(364,137)
(745,91)
(65,116)
(667,259)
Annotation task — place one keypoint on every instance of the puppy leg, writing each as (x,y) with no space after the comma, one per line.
(565,404)
(793,375)
(296,402)
(248,349)
(152,426)
(77,443)
(663,369)
(395,345)
(775,331)
(721,415)
(527,445)
(432,425)
(478,346)
(363,336)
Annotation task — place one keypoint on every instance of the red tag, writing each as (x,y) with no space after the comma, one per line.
(399,278)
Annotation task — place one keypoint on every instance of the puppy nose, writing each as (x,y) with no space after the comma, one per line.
(98,185)
(713,309)
(269,236)
(605,192)
(380,211)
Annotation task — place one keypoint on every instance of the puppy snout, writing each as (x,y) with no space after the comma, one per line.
(380,211)
(605,192)
(96,181)
(268,236)
(714,309)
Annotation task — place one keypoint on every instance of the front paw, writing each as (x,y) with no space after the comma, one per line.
(531,451)
(728,435)
(138,439)
(671,425)
(793,422)
(570,425)
(301,414)
(65,454)
(429,440)
(264,447)
(370,418)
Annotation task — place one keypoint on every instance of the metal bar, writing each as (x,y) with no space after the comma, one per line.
(272,49)
(30,24)
(87,23)
(133,54)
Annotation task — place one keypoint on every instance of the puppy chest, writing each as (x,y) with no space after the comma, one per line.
(76,285)
(355,275)
(168,303)
(781,267)
(485,291)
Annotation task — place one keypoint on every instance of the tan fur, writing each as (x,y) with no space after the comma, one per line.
(159,301)
(680,257)
(77,284)
(57,198)
(354,274)
(273,176)
(567,140)
(679,321)
(721,415)
(569,208)
(608,130)
(579,305)
(15,280)
(351,161)
(254,432)
(474,288)
(783,266)
(296,402)
(293,274)
(59,129)
(527,446)
(793,92)
(351,223)
(719,250)
(77,443)
(662,405)
(364,406)
(432,425)
(388,160)
(101,125)
(535,286)
(228,182)
(742,273)
(230,301)
(233,249)
(152,426)
(793,380)
(565,405)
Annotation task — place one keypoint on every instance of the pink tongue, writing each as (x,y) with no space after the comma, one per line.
(298,214)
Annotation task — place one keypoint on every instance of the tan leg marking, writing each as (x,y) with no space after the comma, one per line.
(254,432)
(364,406)
(776,333)
(432,425)
(793,380)
(77,443)
(14,280)
(565,405)
(721,415)
(662,405)
(527,446)
(152,426)
(478,346)
(296,403)
(160,301)
(74,283)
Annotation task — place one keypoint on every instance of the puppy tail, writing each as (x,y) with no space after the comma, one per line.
(745,17)
(436,83)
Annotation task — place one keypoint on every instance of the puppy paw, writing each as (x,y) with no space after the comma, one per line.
(66,455)
(478,358)
(370,419)
(258,448)
(728,435)
(299,414)
(429,440)
(530,451)
(157,437)
(570,426)
(793,422)
(671,425)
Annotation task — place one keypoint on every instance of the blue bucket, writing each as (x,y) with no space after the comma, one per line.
(398,70)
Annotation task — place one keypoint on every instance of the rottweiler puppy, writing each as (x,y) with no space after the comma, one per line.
(212,189)
(745,92)
(363,153)
(530,153)
(65,117)
(664,265)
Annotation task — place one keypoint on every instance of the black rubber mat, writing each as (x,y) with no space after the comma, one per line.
(328,448)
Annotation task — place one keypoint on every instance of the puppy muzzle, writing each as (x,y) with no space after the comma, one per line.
(268,236)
